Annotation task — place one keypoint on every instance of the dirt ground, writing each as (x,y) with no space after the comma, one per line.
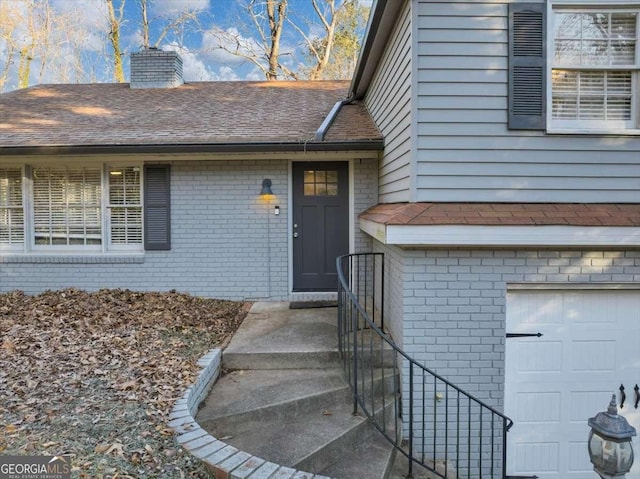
(95,375)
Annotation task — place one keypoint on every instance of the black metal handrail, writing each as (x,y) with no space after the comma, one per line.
(448,431)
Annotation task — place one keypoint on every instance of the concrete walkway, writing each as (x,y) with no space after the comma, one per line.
(272,336)
(284,398)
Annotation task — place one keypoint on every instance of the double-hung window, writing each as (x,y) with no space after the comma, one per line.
(81,209)
(67,207)
(594,68)
(574,66)
(125,206)
(11,209)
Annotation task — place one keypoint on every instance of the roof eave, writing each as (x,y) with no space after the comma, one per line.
(382,20)
(503,236)
(356,145)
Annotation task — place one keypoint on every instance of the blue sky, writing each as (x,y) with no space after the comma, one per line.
(80,53)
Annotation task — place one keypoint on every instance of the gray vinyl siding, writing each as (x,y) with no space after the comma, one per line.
(389,102)
(465,151)
(225,241)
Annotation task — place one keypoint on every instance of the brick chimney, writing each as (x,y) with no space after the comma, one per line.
(153,68)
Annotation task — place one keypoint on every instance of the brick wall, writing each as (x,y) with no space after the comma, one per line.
(152,68)
(365,190)
(226,242)
(454,304)
(451,307)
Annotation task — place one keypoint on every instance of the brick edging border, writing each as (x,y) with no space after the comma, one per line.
(223,460)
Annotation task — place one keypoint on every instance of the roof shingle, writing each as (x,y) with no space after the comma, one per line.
(503,214)
(194,113)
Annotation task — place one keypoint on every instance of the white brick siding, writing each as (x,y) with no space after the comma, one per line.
(453,303)
(226,242)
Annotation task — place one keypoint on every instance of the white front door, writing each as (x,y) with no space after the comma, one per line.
(590,346)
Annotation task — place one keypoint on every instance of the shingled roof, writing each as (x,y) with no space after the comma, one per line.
(229,114)
(504,214)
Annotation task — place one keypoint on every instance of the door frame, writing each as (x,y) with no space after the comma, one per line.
(351,227)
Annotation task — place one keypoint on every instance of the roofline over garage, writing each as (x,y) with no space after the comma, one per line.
(464,236)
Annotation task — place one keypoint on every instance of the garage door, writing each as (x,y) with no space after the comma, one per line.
(590,346)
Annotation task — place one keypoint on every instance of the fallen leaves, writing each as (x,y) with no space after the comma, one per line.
(95,375)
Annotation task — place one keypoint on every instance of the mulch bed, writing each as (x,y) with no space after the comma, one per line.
(95,375)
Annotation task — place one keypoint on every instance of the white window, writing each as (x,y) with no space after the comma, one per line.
(11,208)
(71,209)
(594,69)
(67,207)
(125,205)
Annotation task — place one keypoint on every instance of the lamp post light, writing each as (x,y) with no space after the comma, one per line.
(610,448)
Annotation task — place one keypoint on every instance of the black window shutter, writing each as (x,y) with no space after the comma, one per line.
(157,206)
(527,57)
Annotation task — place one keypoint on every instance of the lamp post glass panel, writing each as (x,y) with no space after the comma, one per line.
(610,448)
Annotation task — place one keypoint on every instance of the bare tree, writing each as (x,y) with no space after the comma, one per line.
(170,23)
(258,40)
(32,32)
(276,14)
(115,23)
(329,55)
(334,54)
(11,20)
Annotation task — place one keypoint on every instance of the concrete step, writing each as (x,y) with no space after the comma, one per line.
(371,461)
(371,350)
(243,393)
(400,468)
(280,360)
(290,440)
(273,336)
(259,395)
(296,418)
(285,397)
(352,442)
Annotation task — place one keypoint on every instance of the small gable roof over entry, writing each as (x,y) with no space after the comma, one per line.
(201,116)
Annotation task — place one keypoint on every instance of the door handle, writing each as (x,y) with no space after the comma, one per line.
(295,235)
(623,396)
(637,390)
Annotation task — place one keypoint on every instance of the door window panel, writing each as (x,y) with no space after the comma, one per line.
(320,183)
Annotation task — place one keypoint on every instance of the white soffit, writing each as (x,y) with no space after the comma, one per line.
(482,235)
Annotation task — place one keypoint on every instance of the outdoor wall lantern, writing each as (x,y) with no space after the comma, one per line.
(610,448)
(266,188)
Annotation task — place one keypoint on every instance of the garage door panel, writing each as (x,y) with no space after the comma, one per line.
(589,308)
(530,311)
(540,356)
(534,457)
(537,407)
(583,403)
(590,344)
(594,355)
(578,462)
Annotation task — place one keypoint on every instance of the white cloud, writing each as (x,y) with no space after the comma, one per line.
(217,45)
(196,68)
(193,69)
(255,75)
(66,51)
(85,20)
(227,74)
(166,8)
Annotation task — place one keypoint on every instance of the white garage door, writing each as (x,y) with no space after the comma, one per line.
(590,346)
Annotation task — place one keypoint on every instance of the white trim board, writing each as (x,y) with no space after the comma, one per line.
(482,235)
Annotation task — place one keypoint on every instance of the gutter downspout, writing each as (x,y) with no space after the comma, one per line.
(328,121)
(384,14)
